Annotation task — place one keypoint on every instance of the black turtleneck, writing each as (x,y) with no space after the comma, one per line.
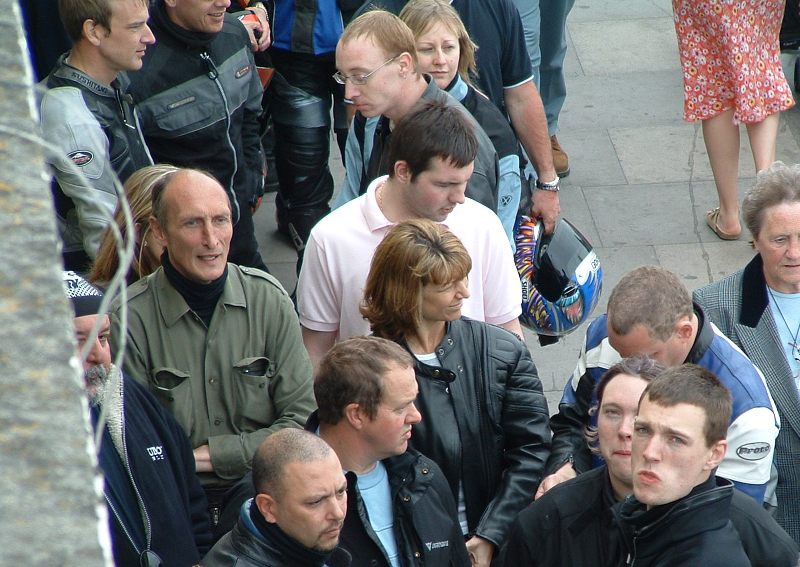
(295,552)
(201,298)
(190,38)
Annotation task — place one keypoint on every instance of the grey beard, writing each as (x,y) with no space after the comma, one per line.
(97,380)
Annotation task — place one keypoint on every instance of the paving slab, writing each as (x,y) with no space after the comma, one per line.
(656,213)
(593,159)
(612,47)
(619,101)
(600,11)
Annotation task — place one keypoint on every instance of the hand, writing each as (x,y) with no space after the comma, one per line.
(480,551)
(202,459)
(255,204)
(566,472)
(546,205)
(261,40)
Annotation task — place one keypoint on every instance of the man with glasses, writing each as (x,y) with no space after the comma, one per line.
(377,61)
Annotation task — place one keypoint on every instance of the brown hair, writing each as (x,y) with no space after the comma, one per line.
(640,366)
(74,13)
(780,183)
(352,372)
(649,296)
(432,130)
(385,30)
(413,254)
(694,385)
(138,190)
(422,15)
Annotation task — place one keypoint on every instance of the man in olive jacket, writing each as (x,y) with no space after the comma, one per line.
(218,344)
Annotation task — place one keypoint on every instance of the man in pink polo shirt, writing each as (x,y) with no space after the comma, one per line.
(431,155)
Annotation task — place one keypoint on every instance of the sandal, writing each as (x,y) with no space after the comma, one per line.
(711,220)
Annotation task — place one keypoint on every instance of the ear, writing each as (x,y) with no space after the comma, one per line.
(406,63)
(402,172)
(355,416)
(171,3)
(92,32)
(716,454)
(268,507)
(158,231)
(684,328)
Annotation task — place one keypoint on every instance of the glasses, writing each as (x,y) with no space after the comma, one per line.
(360,79)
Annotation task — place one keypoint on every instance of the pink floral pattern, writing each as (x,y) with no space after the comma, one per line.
(730,54)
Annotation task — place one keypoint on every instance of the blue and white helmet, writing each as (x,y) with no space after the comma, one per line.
(561,276)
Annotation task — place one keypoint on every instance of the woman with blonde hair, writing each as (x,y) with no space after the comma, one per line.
(446,53)
(147,250)
(484,417)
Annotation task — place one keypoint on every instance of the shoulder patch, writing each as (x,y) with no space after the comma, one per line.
(81,157)
(753,451)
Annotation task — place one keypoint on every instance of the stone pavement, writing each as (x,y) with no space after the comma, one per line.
(640,182)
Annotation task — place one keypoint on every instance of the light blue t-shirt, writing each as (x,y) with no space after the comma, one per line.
(374,489)
(785,308)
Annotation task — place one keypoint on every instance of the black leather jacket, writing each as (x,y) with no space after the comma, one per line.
(573,525)
(485,422)
(426,526)
(246,546)
(695,530)
(199,97)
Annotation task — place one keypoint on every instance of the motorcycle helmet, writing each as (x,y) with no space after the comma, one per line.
(560,274)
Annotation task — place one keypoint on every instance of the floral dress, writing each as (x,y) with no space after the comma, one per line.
(730,54)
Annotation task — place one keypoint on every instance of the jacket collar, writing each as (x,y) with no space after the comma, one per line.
(704,338)
(397,467)
(67,72)
(172,305)
(754,292)
(442,350)
(603,501)
(706,508)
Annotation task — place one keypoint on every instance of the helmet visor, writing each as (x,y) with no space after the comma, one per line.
(558,256)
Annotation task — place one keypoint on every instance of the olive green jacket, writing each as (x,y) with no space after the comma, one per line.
(229,385)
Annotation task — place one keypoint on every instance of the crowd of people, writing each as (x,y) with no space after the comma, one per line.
(388,412)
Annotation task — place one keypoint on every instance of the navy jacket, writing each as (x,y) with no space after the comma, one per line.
(161,464)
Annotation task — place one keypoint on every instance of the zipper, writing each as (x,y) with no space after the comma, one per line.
(121,107)
(121,523)
(213,74)
(145,515)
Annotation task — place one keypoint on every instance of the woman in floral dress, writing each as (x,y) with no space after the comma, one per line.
(732,73)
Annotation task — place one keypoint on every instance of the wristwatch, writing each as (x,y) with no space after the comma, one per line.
(553,185)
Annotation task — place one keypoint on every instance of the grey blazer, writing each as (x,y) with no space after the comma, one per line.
(738,305)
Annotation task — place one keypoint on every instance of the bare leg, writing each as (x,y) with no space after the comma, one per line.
(763,139)
(721,136)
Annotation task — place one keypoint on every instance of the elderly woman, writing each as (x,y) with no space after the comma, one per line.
(147,250)
(484,417)
(758,308)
